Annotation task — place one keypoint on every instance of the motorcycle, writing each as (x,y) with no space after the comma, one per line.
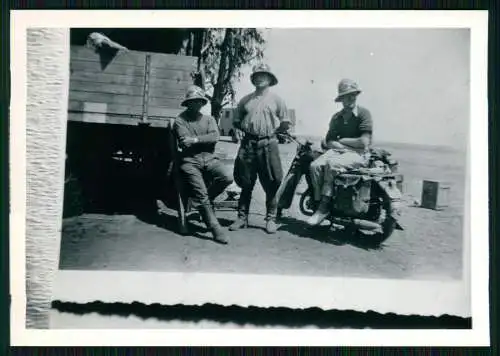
(365,200)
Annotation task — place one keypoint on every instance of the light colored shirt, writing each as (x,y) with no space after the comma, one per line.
(260,114)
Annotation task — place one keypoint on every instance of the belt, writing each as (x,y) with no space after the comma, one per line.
(251,137)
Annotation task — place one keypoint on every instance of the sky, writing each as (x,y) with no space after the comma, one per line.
(415,82)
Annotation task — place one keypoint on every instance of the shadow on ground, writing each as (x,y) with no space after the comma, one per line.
(324,234)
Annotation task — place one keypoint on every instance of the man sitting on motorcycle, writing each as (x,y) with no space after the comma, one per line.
(347,143)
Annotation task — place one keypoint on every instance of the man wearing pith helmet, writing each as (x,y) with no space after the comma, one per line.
(197,135)
(259,115)
(347,142)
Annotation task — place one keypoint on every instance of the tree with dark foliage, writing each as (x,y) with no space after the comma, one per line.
(224,53)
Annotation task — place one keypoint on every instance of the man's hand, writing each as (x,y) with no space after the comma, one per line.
(239,134)
(188,141)
(284,127)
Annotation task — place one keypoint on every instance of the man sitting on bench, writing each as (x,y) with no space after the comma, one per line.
(203,173)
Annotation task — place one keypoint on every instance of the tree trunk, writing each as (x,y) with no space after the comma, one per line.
(216,108)
(218,95)
(47,110)
(199,43)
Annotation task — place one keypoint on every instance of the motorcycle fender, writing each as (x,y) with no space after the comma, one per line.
(394,194)
(286,191)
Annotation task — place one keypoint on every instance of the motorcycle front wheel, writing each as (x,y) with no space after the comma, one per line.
(306,203)
(382,214)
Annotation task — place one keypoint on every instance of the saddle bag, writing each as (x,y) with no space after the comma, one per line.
(353,194)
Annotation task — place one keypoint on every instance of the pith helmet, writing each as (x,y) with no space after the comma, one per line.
(264,68)
(347,86)
(194,93)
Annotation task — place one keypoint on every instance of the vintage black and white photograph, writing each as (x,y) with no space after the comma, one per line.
(258,156)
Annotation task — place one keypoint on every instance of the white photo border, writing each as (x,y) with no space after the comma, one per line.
(476,255)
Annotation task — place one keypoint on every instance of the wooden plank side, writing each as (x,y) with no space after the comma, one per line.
(155,82)
(158,60)
(172,93)
(163,112)
(172,61)
(104,119)
(133,58)
(105,88)
(104,108)
(165,102)
(105,98)
(95,67)
(106,78)
(173,74)
(115,120)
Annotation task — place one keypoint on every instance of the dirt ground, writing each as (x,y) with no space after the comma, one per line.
(430,247)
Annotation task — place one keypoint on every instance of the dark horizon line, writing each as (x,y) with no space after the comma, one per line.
(386,142)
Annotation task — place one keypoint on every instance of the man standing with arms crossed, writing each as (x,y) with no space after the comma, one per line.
(348,140)
(259,116)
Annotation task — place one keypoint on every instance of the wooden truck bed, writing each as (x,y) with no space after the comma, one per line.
(115,164)
(127,88)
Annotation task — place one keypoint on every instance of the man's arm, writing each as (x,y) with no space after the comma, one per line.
(361,142)
(331,140)
(180,129)
(186,138)
(212,135)
(239,113)
(282,113)
(366,129)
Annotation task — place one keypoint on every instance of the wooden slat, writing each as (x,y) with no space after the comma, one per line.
(172,93)
(155,82)
(129,58)
(105,98)
(104,119)
(106,78)
(183,75)
(105,108)
(115,120)
(105,88)
(159,122)
(95,67)
(154,111)
(158,60)
(165,102)
(172,61)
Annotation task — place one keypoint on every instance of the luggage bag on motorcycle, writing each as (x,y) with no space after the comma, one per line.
(353,194)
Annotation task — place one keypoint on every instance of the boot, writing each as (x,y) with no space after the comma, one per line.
(240,223)
(213,224)
(243,210)
(322,212)
(271,215)
(271,227)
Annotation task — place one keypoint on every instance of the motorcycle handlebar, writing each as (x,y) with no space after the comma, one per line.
(291,138)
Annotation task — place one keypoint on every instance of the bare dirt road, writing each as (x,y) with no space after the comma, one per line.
(429,248)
